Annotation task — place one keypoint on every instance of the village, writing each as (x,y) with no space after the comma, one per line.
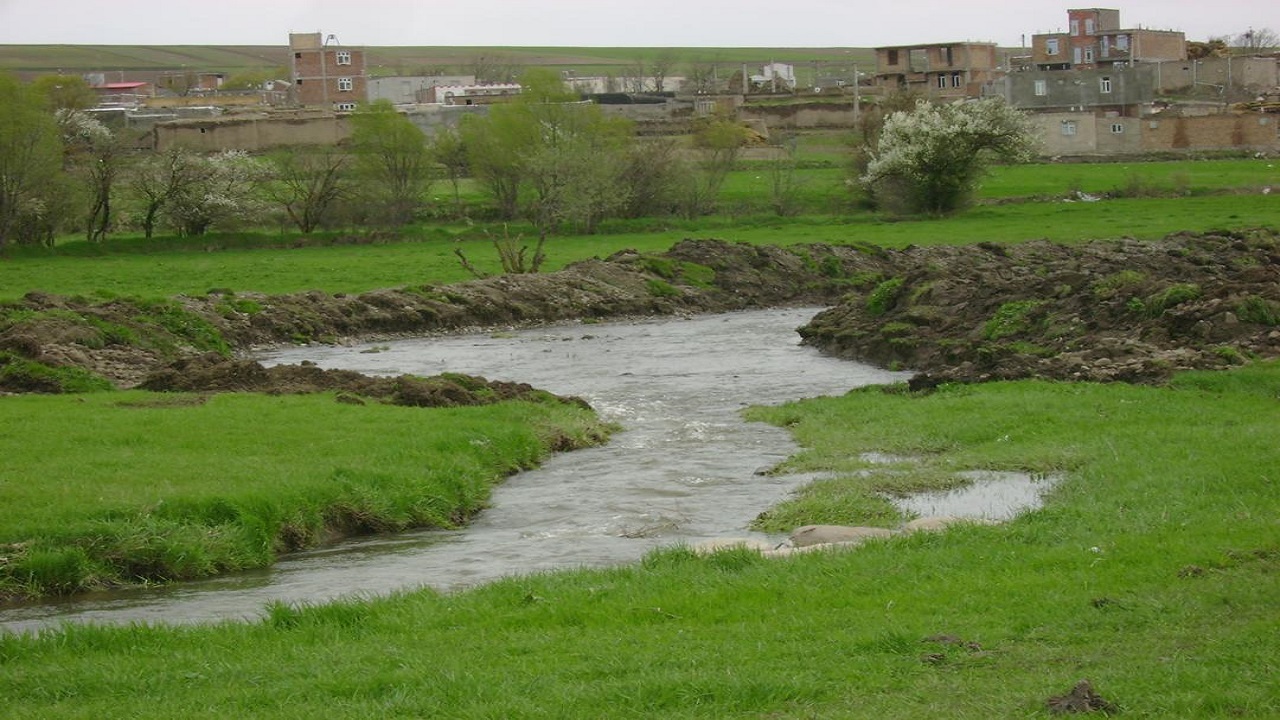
(1098,89)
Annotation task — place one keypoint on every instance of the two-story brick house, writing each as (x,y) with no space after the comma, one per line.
(325,74)
(944,70)
(1095,40)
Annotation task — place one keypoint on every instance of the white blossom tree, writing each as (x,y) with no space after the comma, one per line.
(930,159)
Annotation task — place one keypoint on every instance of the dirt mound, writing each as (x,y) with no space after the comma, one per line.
(214,373)
(1105,310)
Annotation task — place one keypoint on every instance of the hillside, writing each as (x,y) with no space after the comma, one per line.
(142,62)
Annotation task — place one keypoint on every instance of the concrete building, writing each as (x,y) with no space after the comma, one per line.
(1095,40)
(943,70)
(480,94)
(325,74)
(1116,91)
(409,90)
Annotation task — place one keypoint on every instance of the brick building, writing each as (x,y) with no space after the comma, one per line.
(325,74)
(1095,40)
(943,70)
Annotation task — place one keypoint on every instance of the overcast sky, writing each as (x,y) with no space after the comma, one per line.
(610,23)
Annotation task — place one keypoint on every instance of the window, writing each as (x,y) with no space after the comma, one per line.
(1075,55)
(342,57)
(346,84)
(1068,127)
(1051,46)
(1088,54)
(946,56)
(1042,88)
(957,80)
(1117,128)
(346,107)
(1075,27)
(1088,26)
(893,57)
(1122,42)
(1104,85)
(942,81)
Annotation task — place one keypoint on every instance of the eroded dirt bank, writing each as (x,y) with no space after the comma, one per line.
(1105,310)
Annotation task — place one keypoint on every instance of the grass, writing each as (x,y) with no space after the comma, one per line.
(115,487)
(127,266)
(1152,572)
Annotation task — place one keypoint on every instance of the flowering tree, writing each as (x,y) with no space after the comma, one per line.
(929,160)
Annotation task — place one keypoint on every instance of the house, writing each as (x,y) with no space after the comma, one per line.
(775,76)
(1114,92)
(410,90)
(479,94)
(122,94)
(325,74)
(943,70)
(1095,39)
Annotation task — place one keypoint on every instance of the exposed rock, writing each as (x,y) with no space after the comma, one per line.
(828,534)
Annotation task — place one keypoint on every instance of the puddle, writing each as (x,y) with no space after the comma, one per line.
(992,496)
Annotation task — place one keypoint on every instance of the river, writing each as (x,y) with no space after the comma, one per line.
(685,468)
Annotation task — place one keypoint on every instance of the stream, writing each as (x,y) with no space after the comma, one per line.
(684,469)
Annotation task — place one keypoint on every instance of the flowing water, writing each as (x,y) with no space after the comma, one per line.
(684,469)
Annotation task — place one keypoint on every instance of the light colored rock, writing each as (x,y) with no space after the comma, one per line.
(823,534)
(942,522)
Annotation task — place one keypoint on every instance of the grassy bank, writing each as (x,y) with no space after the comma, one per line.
(1152,572)
(112,487)
(255,262)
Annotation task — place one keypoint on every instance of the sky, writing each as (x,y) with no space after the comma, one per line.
(604,23)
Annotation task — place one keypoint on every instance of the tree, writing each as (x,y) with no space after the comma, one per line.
(308,185)
(450,153)
(660,67)
(156,179)
(1257,42)
(717,143)
(930,159)
(392,160)
(223,189)
(65,92)
(95,154)
(494,69)
(540,147)
(30,165)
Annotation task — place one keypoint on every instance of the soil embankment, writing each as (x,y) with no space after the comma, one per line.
(1104,310)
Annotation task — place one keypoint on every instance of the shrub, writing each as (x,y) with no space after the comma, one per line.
(884,296)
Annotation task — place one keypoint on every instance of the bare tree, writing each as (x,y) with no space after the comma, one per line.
(308,185)
(495,69)
(633,77)
(1256,42)
(660,67)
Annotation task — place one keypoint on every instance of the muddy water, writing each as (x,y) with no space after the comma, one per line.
(683,470)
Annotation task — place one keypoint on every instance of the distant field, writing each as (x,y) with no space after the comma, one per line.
(143,60)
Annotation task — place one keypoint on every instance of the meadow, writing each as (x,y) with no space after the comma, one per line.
(1020,203)
(1151,572)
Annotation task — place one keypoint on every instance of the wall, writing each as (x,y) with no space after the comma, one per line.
(1247,131)
(802,117)
(1075,89)
(1253,74)
(251,133)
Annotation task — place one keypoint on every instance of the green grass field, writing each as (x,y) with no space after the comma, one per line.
(1152,573)
(164,267)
